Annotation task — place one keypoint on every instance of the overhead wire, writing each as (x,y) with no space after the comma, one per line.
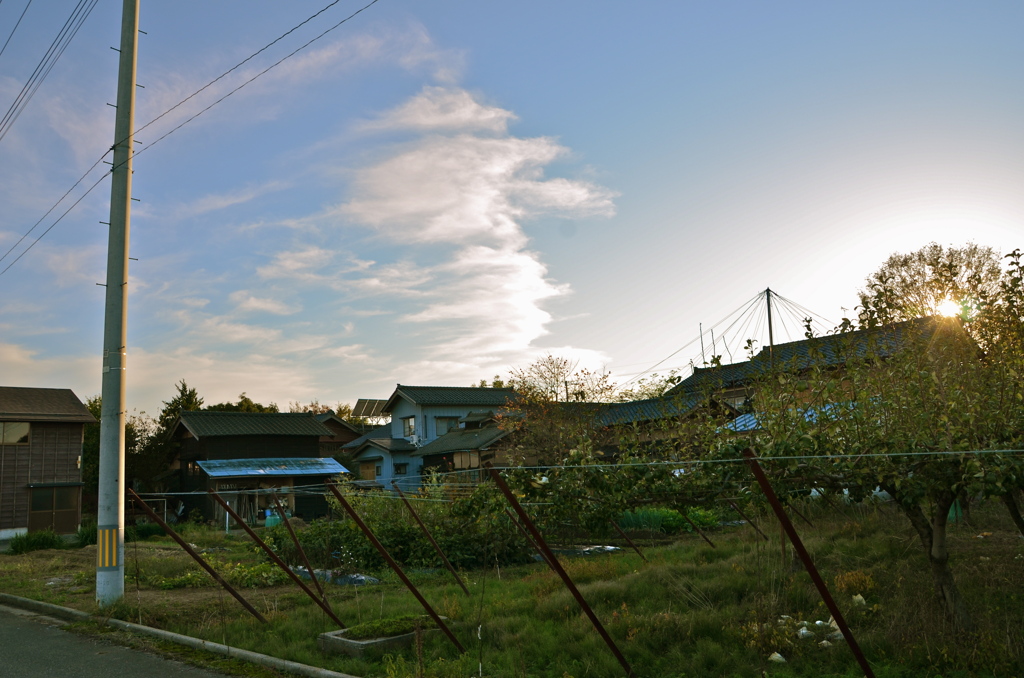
(18,23)
(189,119)
(46,64)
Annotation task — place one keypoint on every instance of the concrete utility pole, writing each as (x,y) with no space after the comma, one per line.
(110,515)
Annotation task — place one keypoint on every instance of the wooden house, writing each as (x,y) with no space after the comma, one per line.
(245,456)
(41,435)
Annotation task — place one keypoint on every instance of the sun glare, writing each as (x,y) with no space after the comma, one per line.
(950,308)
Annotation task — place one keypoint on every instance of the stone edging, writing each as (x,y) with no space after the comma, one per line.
(226,650)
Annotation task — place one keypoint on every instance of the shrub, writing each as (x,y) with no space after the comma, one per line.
(86,534)
(666,520)
(35,541)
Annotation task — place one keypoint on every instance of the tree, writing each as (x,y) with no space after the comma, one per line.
(139,432)
(186,400)
(557,379)
(316,407)
(244,404)
(917,284)
(651,386)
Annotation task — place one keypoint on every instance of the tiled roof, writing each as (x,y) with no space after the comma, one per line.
(378,433)
(826,351)
(462,439)
(275,466)
(215,424)
(451,395)
(652,409)
(42,404)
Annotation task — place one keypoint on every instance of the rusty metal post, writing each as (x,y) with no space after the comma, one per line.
(195,556)
(394,566)
(698,530)
(798,546)
(276,559)
(298,547)
(529,538)
(557,567)
(628,540)
(749,521)
(430,538)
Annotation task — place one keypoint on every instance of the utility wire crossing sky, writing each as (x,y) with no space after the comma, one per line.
(436,193)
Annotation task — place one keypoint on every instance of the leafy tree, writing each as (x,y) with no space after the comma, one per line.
(557,379)
(244,404)
(316,407)
(652,386)
(186,400)
(915,285)
(139,431)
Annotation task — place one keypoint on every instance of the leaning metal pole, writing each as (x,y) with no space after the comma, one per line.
(557,567)
(798,546)
(110,510)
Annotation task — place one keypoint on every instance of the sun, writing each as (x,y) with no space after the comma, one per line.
(950,308)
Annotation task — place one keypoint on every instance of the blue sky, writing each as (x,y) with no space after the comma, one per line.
(436,192)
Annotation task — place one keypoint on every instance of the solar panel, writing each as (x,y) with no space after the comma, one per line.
(368,408)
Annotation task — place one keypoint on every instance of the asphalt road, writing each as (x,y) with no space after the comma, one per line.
(33,646)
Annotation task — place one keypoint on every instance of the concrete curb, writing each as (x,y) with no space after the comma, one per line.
(225,650)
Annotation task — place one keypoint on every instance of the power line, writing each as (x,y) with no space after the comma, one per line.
(46,64)
(15,27)
(190,119)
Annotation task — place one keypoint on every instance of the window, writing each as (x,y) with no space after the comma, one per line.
(445,424)
(14,433)
(408,427)
(401,469)
(377,470)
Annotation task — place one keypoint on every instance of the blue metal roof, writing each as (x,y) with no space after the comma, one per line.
(273,466)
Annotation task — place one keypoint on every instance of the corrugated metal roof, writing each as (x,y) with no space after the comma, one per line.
(451,395)
(462,440)
(215,424)
(274,466)
(42,404)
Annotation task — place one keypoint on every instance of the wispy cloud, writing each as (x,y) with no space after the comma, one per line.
(214,202)
(246,302)
(464,188)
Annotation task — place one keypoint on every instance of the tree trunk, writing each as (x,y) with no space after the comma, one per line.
(933,537)
(1010,499)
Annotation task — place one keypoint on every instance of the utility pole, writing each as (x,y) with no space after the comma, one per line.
(110,514)
(771,335)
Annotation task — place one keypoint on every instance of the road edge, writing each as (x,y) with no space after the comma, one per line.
(71,615)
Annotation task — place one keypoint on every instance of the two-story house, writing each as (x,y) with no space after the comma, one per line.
(41,434)
(419,416)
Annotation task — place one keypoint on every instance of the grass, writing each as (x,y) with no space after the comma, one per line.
(691,610)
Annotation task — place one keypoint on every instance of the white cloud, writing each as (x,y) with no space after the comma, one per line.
(443,109)
(246,302)
(214,202)
(460,192)
(303,264)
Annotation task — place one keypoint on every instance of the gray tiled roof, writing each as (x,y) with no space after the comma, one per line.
(652,409)
(451,395)
(462,440)
(215,424)
(826,351)
(42,404)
